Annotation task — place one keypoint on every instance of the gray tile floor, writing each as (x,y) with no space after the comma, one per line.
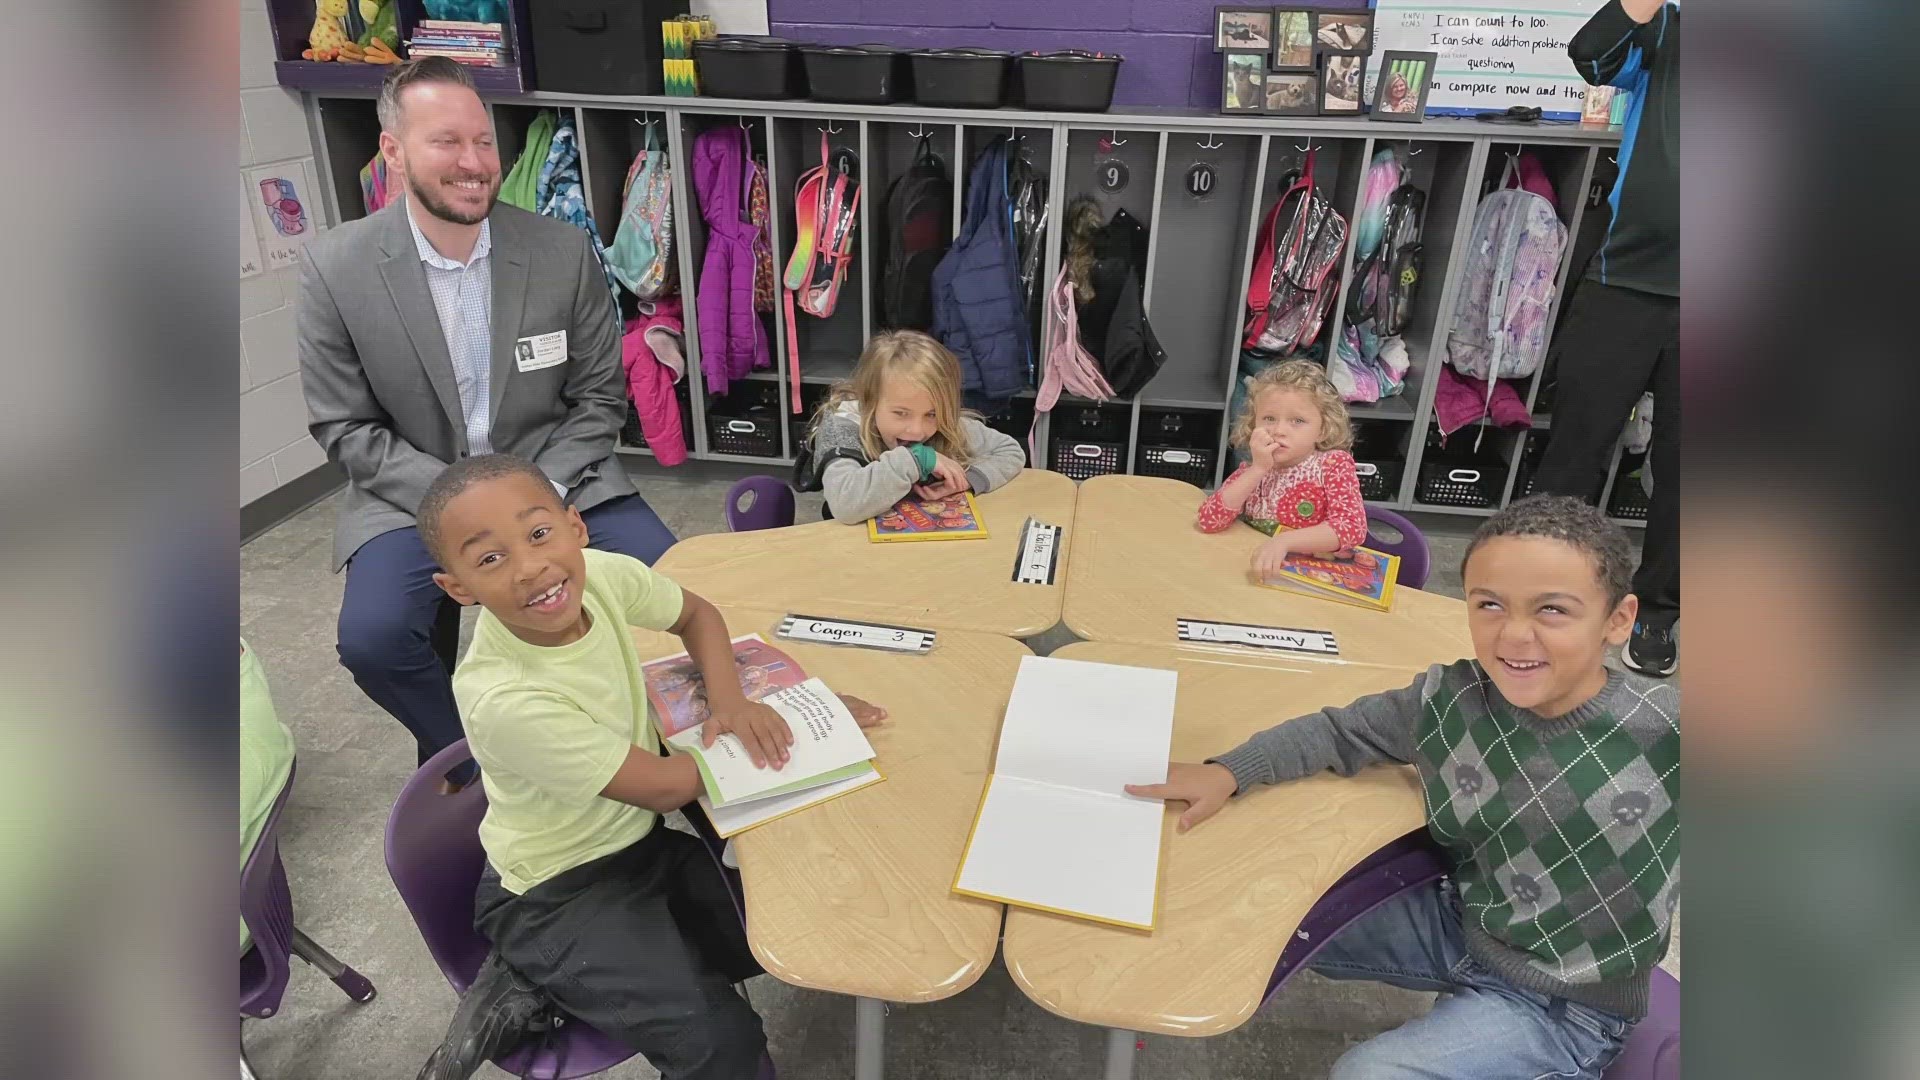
(353,759)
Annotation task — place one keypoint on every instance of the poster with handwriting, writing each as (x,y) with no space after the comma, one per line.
(1494,54)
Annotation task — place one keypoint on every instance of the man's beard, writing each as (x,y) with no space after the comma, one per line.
(430,202)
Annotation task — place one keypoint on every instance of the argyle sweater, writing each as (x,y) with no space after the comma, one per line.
(1564,833)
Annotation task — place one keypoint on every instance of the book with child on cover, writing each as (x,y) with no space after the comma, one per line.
(1359,576)
(831,755)
(956,517)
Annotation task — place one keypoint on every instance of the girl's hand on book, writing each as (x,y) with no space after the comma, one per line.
(948,479)
(865,713)
(1204,788)
(1269,557)
(758,727)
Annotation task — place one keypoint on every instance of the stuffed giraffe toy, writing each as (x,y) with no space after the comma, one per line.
(329,33)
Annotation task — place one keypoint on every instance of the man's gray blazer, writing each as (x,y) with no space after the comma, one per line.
(379,384)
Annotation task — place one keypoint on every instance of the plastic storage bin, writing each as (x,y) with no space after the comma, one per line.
(1071,80)
(631,435)
(1529,465)
(746,421)
(756,68)
(960,78)
(601,46)
(856,74)
(1085,460)
(1629,498)
(1178,445)
(1016,419)
(1378,459)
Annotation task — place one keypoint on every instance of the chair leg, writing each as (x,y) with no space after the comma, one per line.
(352,982)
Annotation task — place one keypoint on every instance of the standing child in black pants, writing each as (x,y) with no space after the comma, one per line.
(1621,336)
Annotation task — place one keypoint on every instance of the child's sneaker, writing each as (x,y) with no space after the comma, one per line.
(1651,650)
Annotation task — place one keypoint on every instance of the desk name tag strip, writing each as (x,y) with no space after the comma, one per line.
(1039,555)
(1283,638)
(864,635)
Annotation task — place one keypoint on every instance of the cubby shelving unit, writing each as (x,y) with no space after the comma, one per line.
(1199,255)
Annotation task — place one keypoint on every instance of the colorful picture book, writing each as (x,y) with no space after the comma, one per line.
(1363,577)
(956,517)
(830,755)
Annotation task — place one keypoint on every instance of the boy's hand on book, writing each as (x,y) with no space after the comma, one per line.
(758,727)
(865,713)
(1204,788)
(1269,557)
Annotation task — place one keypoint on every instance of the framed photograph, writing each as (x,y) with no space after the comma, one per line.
(1348,32)
(1292,39)
(1244,83)
(1405,78)
(1341,79)
(1292,93)
(1243,29)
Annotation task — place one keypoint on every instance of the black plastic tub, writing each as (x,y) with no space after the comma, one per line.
(961,78)
(759,68)
(856,74)
(1070,80)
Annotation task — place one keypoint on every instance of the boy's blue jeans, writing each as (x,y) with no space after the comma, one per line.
(1482,1027)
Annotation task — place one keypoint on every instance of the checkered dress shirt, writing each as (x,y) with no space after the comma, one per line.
(463,298)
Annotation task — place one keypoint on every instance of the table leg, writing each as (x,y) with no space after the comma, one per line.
(869,1038)
(1120,1054)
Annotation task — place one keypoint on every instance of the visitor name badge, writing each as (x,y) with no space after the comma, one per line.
(540,351)
(865,635)
(1039,556)
(1285,638)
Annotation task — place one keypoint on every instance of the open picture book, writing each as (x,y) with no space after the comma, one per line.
(1364,577)
(830,755)
(1056,830)
(956,517)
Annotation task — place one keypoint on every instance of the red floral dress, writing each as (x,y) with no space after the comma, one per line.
(1323,488)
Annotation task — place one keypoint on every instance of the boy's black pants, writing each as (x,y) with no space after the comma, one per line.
(1615,345)
(644,945)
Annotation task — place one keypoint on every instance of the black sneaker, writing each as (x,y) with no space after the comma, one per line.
(1651,650)
(498,1012)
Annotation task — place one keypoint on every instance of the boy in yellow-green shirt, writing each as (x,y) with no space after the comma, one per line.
(588,902)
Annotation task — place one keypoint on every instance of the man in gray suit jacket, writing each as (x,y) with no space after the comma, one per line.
(441,327)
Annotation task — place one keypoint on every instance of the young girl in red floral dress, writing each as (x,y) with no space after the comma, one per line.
(1300,486)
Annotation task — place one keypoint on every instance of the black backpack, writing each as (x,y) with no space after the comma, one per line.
(919,229)
(1385,281)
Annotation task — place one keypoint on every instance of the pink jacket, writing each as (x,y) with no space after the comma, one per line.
(651,353)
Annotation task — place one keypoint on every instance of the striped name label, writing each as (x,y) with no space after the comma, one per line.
(1039,554)
(1286,638)
(864,635)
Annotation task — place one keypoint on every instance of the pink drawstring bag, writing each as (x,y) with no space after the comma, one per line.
(1069,367)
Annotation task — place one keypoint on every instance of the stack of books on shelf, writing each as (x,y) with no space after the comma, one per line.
(477,43)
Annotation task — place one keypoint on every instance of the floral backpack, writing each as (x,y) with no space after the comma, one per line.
(642,252)
(1499,327)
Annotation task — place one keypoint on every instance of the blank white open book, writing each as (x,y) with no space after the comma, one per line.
(1056,829)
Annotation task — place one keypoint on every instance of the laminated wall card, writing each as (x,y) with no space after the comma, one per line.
(286,210)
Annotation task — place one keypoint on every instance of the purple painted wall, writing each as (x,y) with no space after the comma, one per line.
(1167,43)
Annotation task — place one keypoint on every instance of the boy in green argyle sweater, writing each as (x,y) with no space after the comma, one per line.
(1553,784)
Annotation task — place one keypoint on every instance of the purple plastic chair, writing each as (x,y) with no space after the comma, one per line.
(1652,1050)
(759,502)
(266,907)
(1415,559)
(435,858)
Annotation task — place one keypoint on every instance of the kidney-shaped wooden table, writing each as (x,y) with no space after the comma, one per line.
(1234,889)
(1140,565)
(831,568)
(854,896)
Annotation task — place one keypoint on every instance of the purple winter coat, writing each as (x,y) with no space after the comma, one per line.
(733,340)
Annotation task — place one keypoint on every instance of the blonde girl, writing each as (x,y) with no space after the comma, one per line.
(896,428)
(1299,485)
